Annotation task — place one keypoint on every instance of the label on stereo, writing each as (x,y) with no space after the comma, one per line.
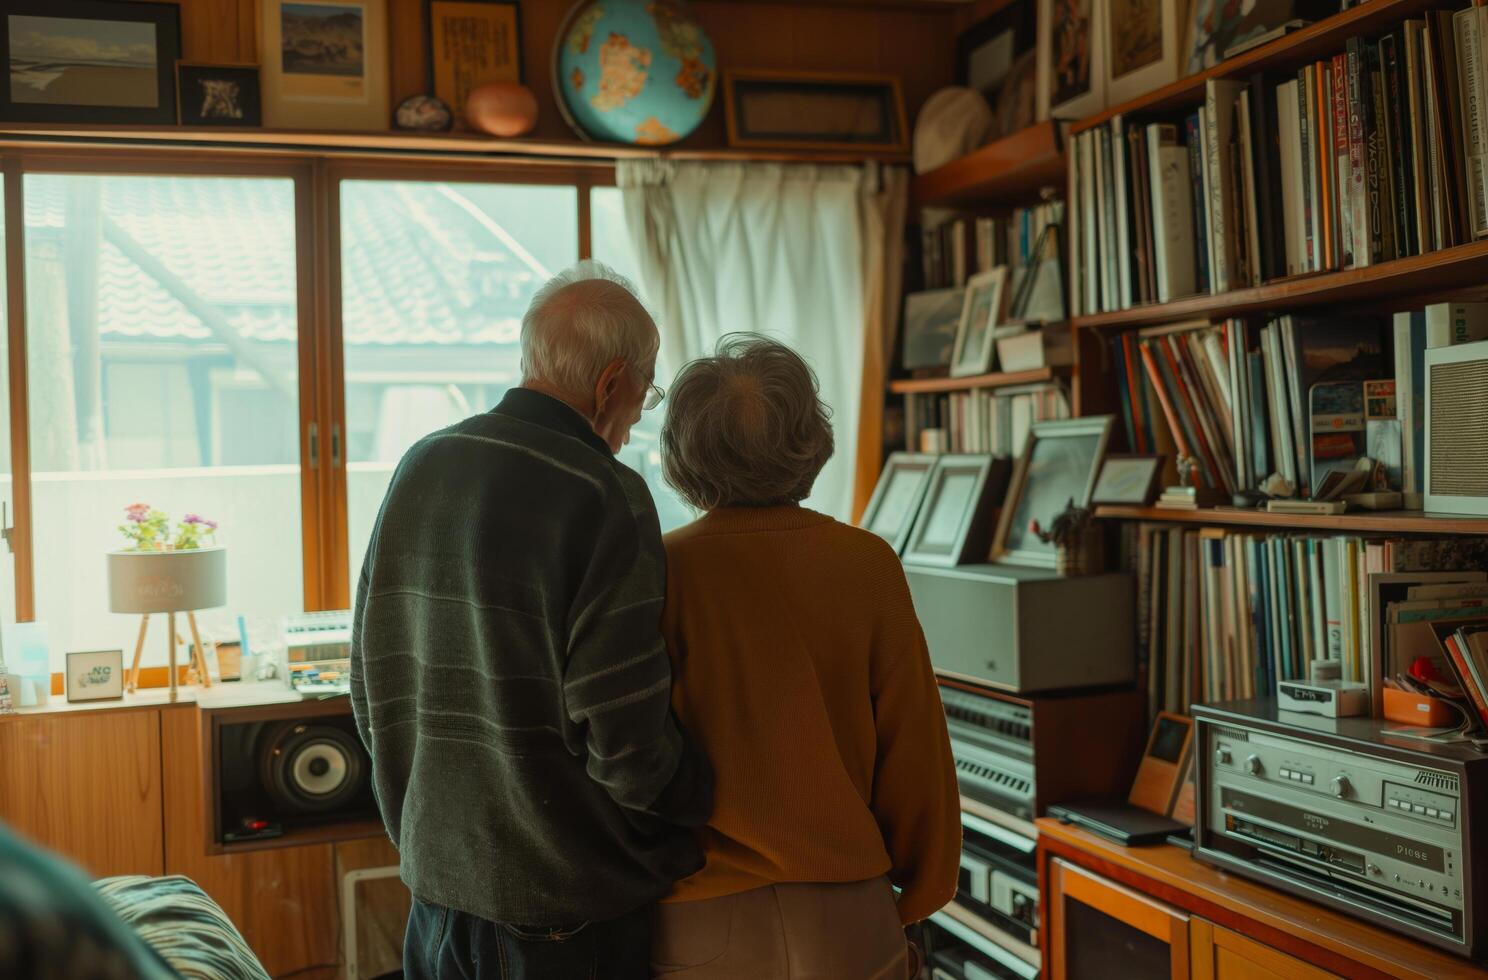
(1335,831)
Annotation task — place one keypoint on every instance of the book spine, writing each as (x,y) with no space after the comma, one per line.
(1141,215)
(1154,374)
(1075,238)
(1467,677)
(1123,209)
(1382,160)
(1200,202)
(1366,241)
(1219,107)
(1470,87)
(1399,149)
(1309,203)
(1341,159)
(1327,192)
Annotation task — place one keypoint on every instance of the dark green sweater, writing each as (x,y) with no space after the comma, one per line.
(509,679)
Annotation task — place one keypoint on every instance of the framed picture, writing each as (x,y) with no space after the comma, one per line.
(325,64)
(896,500)
(981,312)
(1144,47)
(472,42)
(1213,26)
(987,51)
(218,95)
(931,321)
(957,509)
(1059,464)
(96,675)
(1071,58)
(814,111)
(90,61)
(1127,478)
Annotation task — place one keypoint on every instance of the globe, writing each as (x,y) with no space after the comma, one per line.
(634,71)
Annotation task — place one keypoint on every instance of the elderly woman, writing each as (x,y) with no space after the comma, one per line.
(800,668)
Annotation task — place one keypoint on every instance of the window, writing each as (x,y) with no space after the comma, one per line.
(612,246)
(162,362)
(435,278)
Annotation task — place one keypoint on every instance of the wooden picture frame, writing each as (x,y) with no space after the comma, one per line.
(1163,765)
(199,106)
(47,81)
(1129,479)
(791,110)
(346,89)
(95,675)
(956,509)
(1143,44)
(981,314)
(470,43)
(897,497)
(1060,462)
(1071,58)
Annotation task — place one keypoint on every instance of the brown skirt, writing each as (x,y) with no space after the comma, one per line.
(783,932)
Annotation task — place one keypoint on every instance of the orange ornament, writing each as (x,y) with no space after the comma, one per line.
(502,109)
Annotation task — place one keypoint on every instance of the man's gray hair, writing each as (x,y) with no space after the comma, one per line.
(745,427)
(579,321)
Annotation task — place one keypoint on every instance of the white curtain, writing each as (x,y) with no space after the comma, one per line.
(776,249)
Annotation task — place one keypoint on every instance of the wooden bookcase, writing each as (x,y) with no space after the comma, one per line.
(1015,170)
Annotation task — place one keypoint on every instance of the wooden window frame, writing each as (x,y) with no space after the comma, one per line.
(317,178)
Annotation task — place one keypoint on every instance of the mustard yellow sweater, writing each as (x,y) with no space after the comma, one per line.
(800,668)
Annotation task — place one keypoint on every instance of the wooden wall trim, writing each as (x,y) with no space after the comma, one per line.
(21,539)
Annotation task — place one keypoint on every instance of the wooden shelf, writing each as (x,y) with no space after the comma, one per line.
(925,386)
(1457,268)
(1380,521)
(390,142)
(1007,170)
(1323,38)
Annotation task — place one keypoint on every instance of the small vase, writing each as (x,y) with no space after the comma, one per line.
(1082,556)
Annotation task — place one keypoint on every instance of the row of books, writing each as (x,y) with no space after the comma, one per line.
(1302,397)
(1374,154)
(958,248)
(981,420)
(1227,614)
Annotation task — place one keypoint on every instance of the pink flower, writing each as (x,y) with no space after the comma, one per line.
(137,512)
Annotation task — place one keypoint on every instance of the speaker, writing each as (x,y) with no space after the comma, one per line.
(278,775)
(1457,429)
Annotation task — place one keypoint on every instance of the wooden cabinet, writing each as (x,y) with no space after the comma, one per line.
(86,784)
(1094,923)
(1218,953)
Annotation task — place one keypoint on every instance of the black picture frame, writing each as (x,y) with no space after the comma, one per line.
(896,499)
(458,111)
(166,19)
(1017,19)
(813,120)
(191,79)
(1112,487)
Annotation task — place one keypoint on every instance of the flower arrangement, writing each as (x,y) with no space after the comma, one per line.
(1075,539)
(148,529)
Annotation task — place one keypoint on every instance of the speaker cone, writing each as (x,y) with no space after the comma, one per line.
(310,768)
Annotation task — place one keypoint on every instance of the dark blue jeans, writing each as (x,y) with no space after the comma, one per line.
(443,944)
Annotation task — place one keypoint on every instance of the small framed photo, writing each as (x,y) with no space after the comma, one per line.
(814,111)
(896,499)
(1071,58)
(1127,478)
(1059,464)
(931,321)
(952,525)
(95,675)
(1144,46)
(218,95)
(472,42)
(981,312)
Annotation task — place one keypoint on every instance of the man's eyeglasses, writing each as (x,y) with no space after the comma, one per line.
(654,393)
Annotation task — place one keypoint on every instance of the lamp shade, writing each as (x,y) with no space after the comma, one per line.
(167,581)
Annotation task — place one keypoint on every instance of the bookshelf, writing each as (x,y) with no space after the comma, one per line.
(1009,170)
(1384,521)
(1323,37)
(925,386)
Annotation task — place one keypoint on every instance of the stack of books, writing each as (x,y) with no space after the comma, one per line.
(981,421)
(958,248)
(1373,154)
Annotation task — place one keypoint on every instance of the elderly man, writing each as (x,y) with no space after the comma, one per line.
(508,672)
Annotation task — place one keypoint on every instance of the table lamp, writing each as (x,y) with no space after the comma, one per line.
(149,582)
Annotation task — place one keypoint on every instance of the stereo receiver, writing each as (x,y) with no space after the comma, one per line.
(1342,813)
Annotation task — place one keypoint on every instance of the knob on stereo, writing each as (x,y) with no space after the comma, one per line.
(1340,786)
(1253,765)
(1222,756)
